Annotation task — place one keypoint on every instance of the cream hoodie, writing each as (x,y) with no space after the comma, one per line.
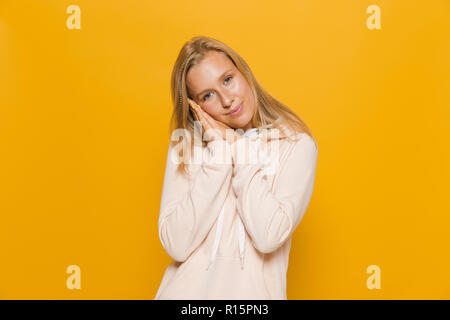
(228,226)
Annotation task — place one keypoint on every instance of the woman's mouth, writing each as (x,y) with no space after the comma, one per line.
(238,110)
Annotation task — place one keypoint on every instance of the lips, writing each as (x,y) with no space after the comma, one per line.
(236,109)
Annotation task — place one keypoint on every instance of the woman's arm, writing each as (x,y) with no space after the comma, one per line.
(189,206)
(270,218)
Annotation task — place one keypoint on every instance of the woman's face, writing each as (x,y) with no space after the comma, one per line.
(219,88)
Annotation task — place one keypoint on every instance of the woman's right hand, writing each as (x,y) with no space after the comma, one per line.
(208,123)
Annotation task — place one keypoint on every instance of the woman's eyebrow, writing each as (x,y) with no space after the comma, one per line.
(199,94)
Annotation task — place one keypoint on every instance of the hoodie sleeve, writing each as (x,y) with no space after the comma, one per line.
(191,204)
(271,217)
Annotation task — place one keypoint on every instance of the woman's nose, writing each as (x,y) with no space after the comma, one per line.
(228,101)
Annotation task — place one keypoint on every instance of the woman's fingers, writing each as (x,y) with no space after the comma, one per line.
(192,105)
(209,122)
(195,111)
(201,116)
(205,118)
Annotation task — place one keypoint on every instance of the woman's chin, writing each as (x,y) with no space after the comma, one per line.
(240,123)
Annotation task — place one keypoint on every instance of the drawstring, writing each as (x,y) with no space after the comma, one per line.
(241,242)
(219,234)
(241,229)
(217,238)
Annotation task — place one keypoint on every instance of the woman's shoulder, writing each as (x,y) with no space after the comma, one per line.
(294,134)
(305,149)
(304,141)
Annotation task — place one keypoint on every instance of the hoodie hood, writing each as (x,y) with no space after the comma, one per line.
(269,132)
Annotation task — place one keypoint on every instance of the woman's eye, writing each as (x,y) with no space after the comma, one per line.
(205,96)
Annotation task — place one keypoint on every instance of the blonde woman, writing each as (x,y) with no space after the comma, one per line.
(228,224)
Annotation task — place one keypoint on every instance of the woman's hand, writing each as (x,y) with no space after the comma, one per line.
(208,123)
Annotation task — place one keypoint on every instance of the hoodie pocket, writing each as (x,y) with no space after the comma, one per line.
(228,281)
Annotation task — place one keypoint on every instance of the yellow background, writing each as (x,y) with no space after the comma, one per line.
(84,118)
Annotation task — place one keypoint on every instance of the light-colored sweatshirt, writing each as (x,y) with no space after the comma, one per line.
(228,225)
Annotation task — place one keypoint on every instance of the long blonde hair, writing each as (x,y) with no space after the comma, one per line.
(268,112)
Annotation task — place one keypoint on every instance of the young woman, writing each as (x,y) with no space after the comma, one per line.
(228,224)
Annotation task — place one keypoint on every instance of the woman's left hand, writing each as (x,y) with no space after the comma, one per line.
(209,122)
